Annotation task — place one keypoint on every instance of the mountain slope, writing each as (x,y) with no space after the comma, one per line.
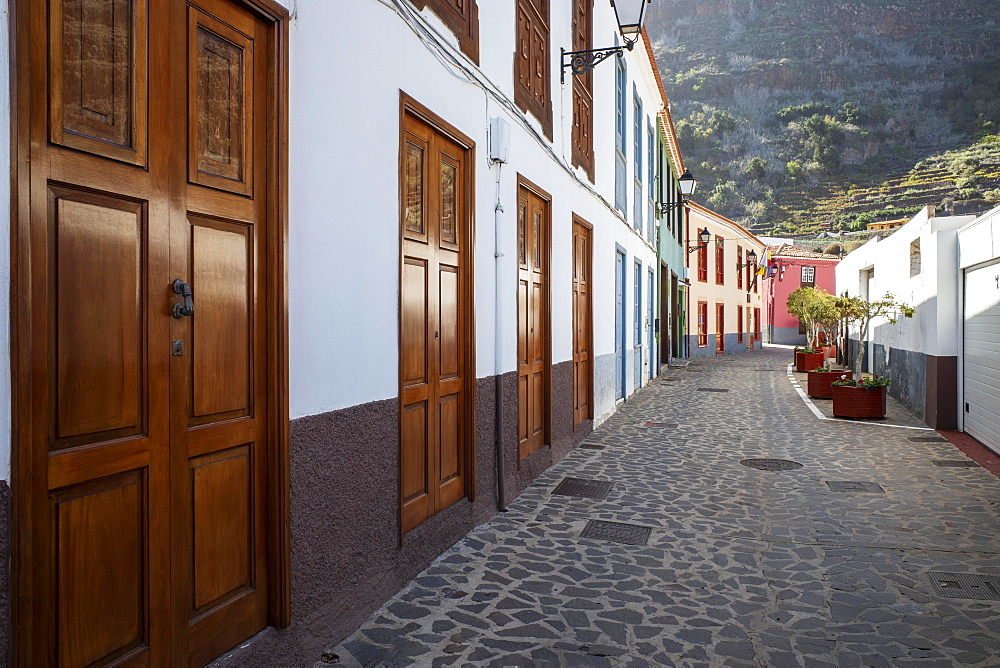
(782,102)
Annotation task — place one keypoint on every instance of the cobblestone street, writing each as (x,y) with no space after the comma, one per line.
(741,567)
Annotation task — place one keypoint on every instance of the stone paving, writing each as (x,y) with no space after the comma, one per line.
(742,568)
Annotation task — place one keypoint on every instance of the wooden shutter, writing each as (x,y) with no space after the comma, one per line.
(739,272)
(462,16)
(703,263)
(583,90)
(720,261)
(531,61)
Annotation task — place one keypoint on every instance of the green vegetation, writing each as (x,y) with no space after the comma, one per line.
(803,115)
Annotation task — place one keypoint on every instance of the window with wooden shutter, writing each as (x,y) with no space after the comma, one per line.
(808,277)
(531,61)
(756,324)
(739,324)
(720,261)
(462,16)
(637,160)
(703,263)
(621,79)
(583,90)
(739,269)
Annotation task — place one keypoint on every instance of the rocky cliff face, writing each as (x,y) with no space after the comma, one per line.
(894,81)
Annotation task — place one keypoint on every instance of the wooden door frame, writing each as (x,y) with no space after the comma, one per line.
(409,106)
(523,182)
(590,314)
(275,304)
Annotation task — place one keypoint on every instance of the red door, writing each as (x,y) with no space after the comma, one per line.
(720,329)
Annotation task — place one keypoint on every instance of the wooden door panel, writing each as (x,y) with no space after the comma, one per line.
(523,322)
(449,433)
(99,530)
(413,439)
(414,317)
(220,103)
(98,70)
(449,323)
(222,524)
(98,342)
(221,261)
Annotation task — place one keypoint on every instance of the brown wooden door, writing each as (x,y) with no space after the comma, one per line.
(532,321)
(434,337)
(582,327)
(720,329)
(148,432)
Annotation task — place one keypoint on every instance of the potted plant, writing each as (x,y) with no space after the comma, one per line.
(820,381)
(853,394)
(809,359)
(863,398)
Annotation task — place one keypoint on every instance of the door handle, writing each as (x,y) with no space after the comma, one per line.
(184,290)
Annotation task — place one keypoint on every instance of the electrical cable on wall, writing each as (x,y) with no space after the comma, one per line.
(443,53)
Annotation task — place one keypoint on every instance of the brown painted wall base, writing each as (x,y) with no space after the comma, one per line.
(346,558)
(941,398)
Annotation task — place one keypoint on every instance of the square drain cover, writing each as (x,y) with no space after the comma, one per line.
(955,463)
(927,439)
(966,585)
(712,389)
(849,486)
(617,532)
(588,446)
(591,489)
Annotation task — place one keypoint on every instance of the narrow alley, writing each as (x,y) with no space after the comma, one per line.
(732,565)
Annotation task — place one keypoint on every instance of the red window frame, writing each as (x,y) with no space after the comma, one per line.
(739,272)
(720,261)
(703,264)
(756,324)
(739,324)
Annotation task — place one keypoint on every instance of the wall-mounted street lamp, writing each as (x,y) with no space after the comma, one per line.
(704,236)
(751,261)
(630,15)
(687,184)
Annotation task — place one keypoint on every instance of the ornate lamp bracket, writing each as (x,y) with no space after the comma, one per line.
(581,62)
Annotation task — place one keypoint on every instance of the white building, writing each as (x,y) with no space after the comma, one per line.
(278,268)
(918,264)
(979,355)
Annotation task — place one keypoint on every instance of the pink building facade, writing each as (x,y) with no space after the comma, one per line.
(794,268)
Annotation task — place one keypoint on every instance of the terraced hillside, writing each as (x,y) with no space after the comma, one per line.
(966,178)
(791,112)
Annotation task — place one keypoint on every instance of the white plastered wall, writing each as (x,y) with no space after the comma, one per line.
(344,251)
(934,291)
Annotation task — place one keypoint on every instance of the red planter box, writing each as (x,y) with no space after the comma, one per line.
(854,402)
(808,361)
(819,383)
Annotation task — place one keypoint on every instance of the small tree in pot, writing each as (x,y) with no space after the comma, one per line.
(809,305)
(862,312)
(855,396)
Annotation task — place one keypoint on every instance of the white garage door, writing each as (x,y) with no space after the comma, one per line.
(981,365)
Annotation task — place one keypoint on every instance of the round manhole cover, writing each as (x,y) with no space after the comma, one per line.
(771,464)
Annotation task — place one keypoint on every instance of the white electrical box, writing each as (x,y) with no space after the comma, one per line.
(499,139)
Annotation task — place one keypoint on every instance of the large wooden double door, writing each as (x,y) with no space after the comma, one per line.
(436,382)
(145,424)
(533,355)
